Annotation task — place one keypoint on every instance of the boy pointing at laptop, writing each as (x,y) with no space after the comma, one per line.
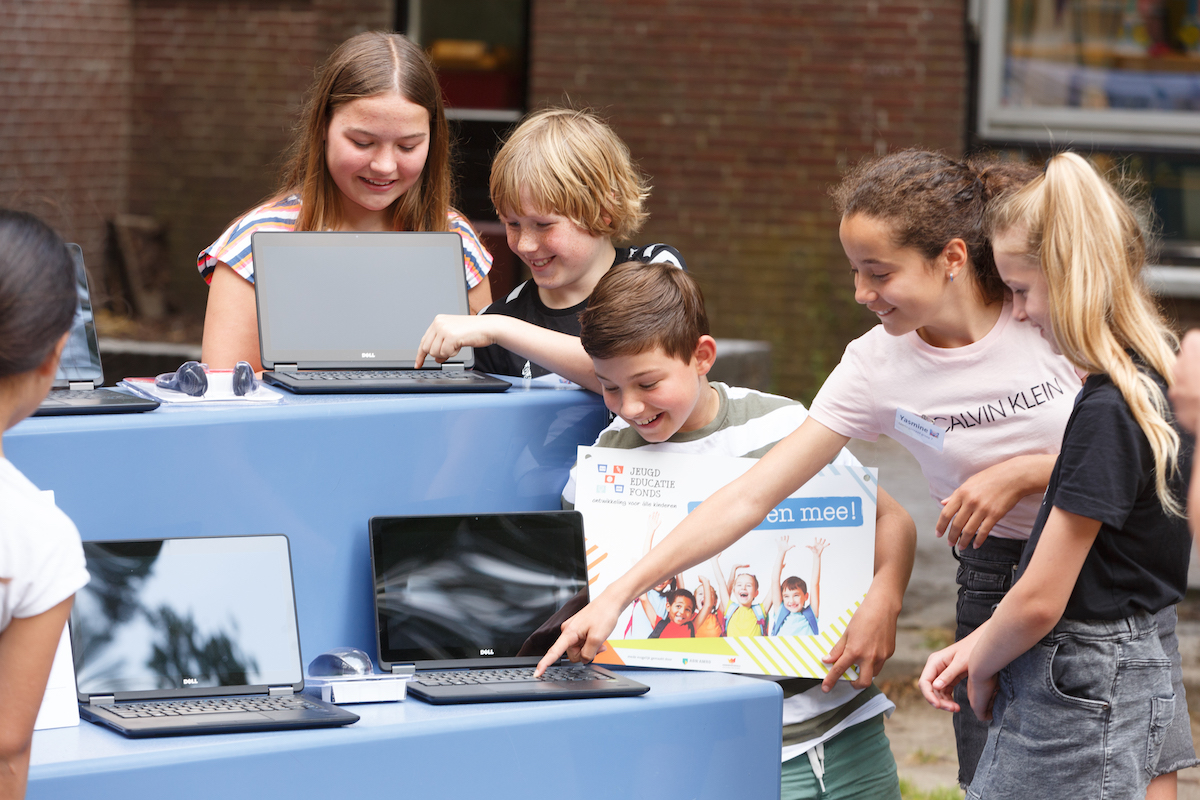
(646,332)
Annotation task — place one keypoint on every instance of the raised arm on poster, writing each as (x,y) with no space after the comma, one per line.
(756,608)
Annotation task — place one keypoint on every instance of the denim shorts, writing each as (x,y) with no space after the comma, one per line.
(984,575)
(1083,713)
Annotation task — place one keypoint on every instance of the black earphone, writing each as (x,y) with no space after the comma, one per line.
(192,379)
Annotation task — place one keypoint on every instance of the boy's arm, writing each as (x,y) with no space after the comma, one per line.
(555,351)
(717,523)
(870,638)
(818,547)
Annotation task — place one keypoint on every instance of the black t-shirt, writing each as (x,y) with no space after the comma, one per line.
(525,304)
(1139,561)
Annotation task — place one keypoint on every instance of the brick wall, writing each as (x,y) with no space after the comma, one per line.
(65,88)
(170,108)
(216,91)
(744,113)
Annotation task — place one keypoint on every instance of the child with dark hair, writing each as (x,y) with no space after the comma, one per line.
(646,331)
(980,399)
(678,622)
(41,557)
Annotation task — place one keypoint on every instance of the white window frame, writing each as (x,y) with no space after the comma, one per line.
(1065,127)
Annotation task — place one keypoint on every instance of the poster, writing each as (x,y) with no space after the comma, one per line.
(807,566)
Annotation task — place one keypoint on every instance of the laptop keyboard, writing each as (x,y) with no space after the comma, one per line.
(72,394)
(385,375)
(222,705)
(517,675)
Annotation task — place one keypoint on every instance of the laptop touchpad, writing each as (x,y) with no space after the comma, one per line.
(531,687)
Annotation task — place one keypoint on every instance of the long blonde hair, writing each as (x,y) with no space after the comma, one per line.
(366,65)
(1092,251)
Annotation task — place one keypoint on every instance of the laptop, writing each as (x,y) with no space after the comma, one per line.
(192,635)
(469,603)
(345,312)
(79,373)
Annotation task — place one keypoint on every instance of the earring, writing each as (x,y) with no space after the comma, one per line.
(952,277)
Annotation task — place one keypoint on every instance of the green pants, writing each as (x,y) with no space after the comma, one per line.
(858,764)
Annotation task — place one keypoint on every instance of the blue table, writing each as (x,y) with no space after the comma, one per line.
(695,735)
(317,469)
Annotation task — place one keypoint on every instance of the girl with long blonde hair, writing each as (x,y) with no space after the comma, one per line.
(1070,668)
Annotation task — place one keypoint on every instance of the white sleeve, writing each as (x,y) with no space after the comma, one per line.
(46,563)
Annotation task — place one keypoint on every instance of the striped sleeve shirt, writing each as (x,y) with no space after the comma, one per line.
(233,246)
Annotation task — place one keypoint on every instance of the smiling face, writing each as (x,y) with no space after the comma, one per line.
(745,589)
(681,611)
(375,149)
(897,284)
(794,599)
(659,395)
(566,261)
(1022,273)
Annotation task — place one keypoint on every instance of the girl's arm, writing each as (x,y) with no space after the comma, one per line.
(870,638)
(557,352)
(26,651)
(733,577)
(717,523)
(716,562)
(230,322)
(1033,606)
(984,498)
(1028,612)
(707,608)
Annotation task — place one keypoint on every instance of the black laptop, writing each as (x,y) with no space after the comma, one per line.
(76,386)
(345,312)
(186,636)
(468,604)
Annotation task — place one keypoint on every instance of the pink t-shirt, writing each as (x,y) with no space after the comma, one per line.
(1006,395)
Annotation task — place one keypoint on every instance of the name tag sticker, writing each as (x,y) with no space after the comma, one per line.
(921,429)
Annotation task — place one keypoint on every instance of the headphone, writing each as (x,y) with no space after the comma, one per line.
(192,379)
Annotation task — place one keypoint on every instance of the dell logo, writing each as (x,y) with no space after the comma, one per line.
(368,355)
(190,681)
(487,652)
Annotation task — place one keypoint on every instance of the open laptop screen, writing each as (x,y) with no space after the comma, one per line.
(475,588)
(186,614)
(359,300)
(81,355)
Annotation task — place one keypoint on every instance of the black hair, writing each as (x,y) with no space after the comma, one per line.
(37,291)
(674,595)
